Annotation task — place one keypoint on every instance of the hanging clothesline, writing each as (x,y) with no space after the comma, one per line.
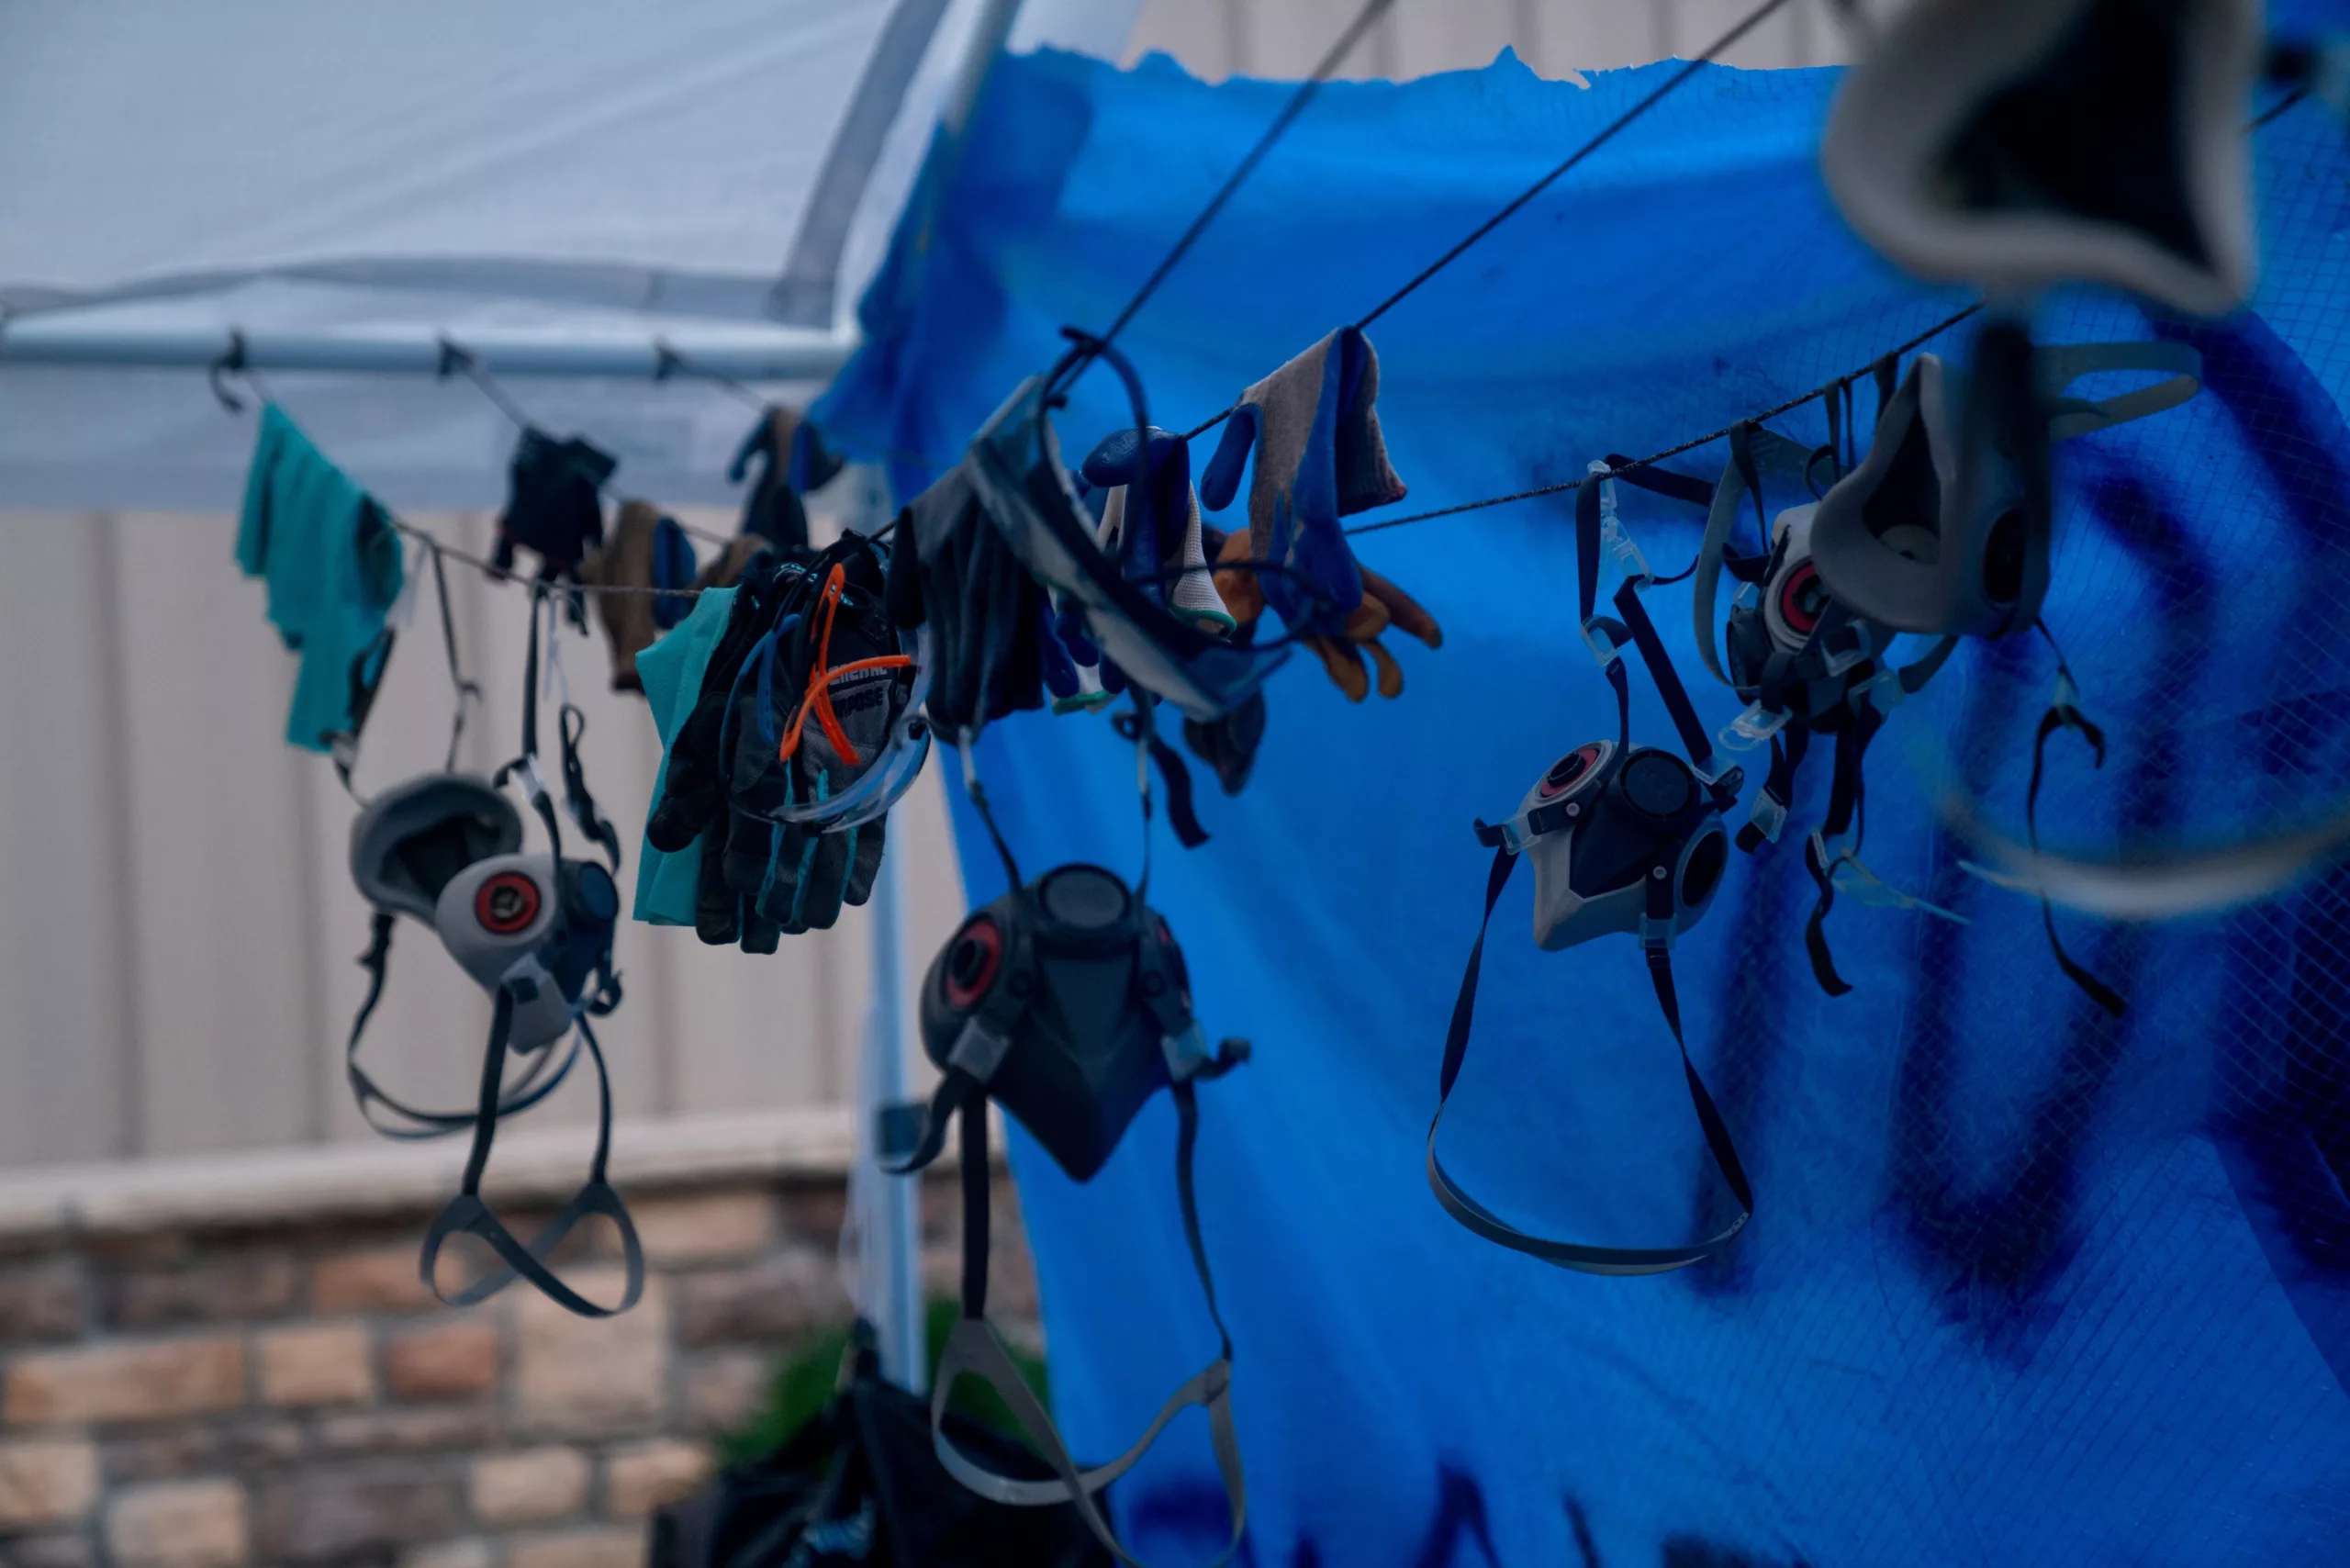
(1605,134)
(497,573)
(1773,412)
(1565,486)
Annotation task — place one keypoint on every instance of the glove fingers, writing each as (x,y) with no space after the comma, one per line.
(779,900)
(823,880)
(750,847)
(1242,594)
(1219,481)
(1366,621)
(1343,665)
(716,907)
(760,935)
(868,841)
(1391,674)
(1403,610)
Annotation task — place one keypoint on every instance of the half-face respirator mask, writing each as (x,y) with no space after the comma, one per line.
(1945,527)
(1803,661)
(2019,144)
(1624,840)
(1067,1001)
(535,931)
(538,929)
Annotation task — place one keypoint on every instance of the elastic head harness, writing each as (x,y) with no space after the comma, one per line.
(1067,1001)
(536,931)
(1661,813)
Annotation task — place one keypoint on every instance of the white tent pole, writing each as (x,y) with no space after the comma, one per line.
(892,1289)
(747,353)
(987,37)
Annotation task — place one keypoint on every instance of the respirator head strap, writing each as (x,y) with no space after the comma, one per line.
(2065,713)
(1579,1256)
(1773,800)
(973,1350)
(468,1213)
(393,1117)
(1845,811)
(1722,782)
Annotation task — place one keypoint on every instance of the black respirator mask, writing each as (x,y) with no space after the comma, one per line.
(1067,1001)
(535,931)
(1626,840)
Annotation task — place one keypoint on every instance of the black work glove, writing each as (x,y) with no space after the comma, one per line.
(554,508)
(693,796)
(805,729)
(952,569)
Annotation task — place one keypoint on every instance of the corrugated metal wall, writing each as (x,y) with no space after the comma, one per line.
(176,922)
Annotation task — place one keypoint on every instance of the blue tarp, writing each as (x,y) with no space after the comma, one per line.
(2026,1285)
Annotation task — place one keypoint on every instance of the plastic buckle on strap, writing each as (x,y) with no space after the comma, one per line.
(1602,644)
(1657,933)
(527,978)
(1769,815)
(1752,728)
(1883,691)
(978,1049)
(534,780)
(1852,877)
(1838,663)
(1613,536)
(1187,1052)
(1512,833)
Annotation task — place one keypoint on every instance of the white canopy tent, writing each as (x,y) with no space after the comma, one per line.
(560,188)
(602,196)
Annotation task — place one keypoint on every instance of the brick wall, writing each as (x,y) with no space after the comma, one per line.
(287,1393)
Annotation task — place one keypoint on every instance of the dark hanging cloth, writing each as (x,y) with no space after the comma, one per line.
(860,1487)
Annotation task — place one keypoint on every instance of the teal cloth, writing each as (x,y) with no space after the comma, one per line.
(331,560)
(671,670)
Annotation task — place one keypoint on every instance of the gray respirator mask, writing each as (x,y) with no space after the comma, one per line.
(1624,840)
(535,930)
(2018,144)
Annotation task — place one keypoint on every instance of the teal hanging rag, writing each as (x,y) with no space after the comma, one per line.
(331,559)
(672,671)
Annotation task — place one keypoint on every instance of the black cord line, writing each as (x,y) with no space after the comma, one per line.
(455,356)
(1753,19)
(1305,95)
(1655,457)
(497,573)
(2279,106)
